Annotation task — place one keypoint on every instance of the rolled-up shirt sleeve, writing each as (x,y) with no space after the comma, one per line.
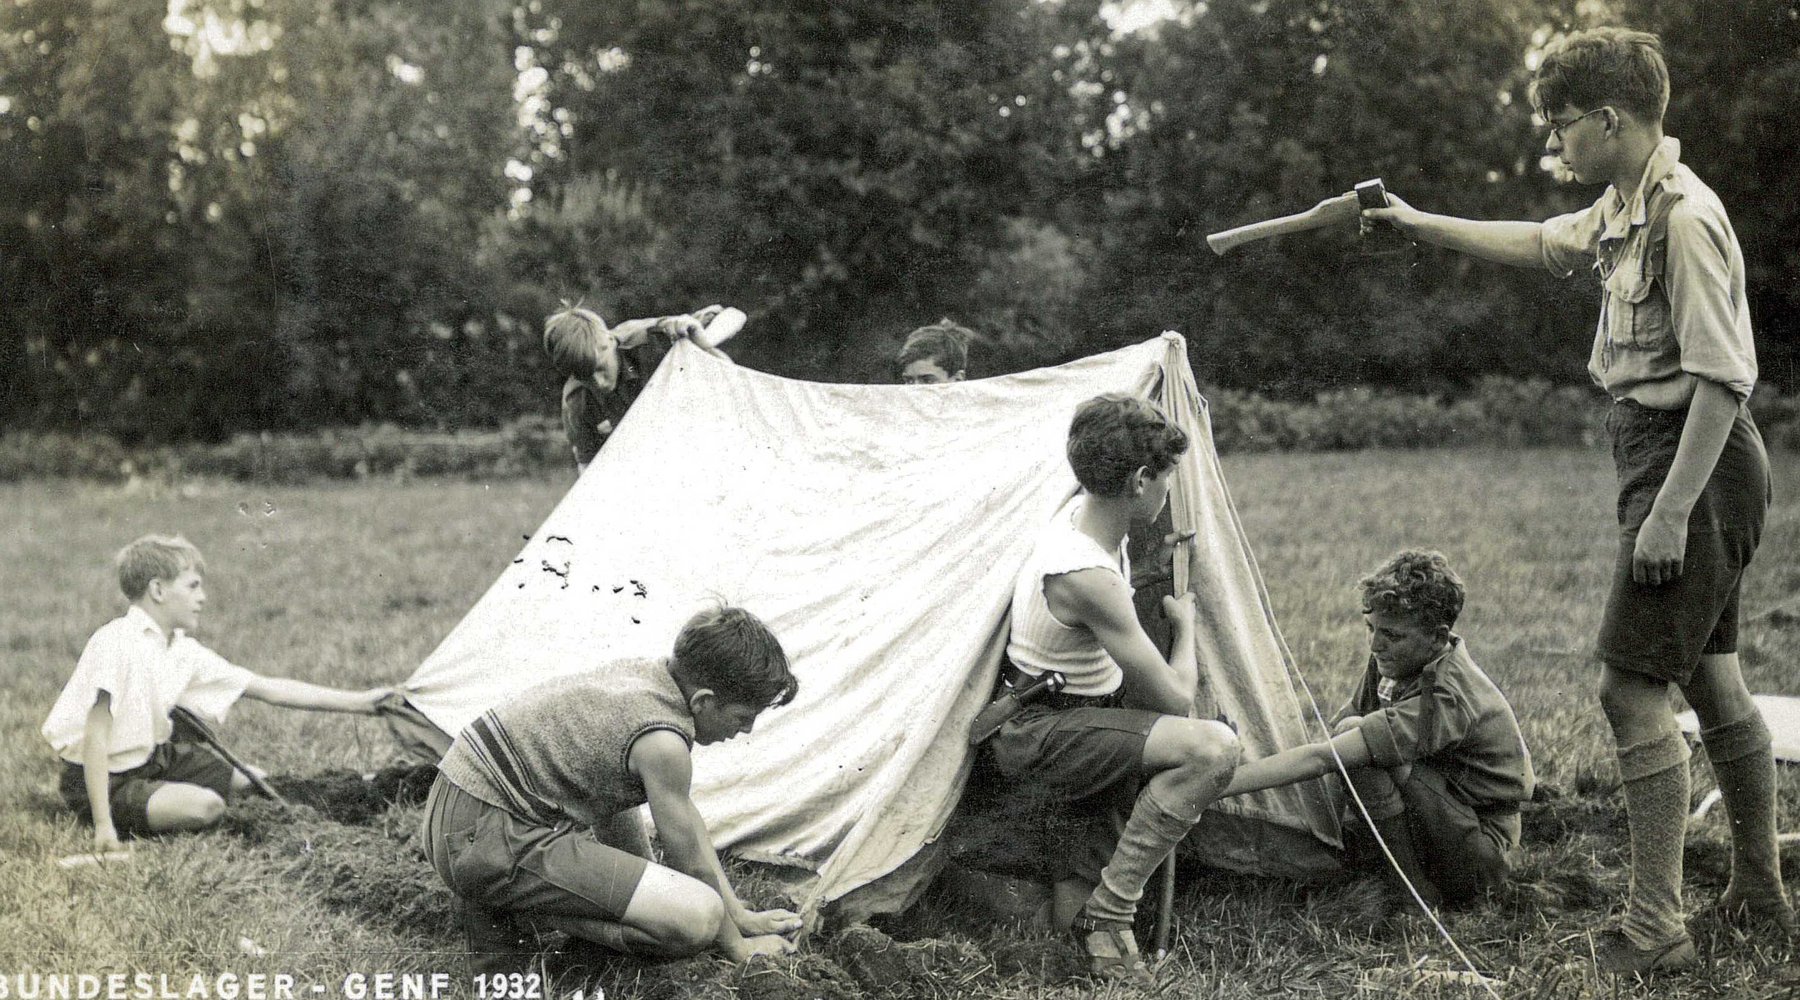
(1568,241)
(1397,735)
(216,683)
(1706,306)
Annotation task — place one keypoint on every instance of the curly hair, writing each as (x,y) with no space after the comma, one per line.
(1114,435)
(732,652)
(1590,69)
(1417,584)
(944,343)
(155,557)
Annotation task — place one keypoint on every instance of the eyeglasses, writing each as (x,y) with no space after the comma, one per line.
(1557,128)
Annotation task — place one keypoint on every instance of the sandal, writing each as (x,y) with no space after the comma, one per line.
(1111,950)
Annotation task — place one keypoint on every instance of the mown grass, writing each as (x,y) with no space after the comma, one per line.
(353,585)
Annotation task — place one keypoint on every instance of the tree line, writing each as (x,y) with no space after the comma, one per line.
(227,215)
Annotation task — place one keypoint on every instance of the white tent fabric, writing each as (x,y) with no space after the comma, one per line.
(877,529)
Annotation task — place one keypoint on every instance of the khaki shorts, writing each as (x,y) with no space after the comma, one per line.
(1084,767)
(1662,630)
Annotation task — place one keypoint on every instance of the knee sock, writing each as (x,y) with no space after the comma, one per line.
(1150,834)
(1745,765)
(1655,772)
(1387,812)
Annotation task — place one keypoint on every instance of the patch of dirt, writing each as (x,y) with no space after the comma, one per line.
(1051,961)
(348,797)
(378,875)
(879,964)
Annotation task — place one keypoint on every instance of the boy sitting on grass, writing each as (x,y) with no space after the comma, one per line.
(605,368)
(935,354)
(1429,742)
(528,816)
(124,766)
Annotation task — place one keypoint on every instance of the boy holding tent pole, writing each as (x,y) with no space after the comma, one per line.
(1076,639)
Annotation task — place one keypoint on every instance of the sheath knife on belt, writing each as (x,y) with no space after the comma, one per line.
(990,719)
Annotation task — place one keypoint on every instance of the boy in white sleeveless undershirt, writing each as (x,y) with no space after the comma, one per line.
(1120,730)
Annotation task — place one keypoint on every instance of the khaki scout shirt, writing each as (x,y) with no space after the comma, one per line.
(1451,716)
(1674,307)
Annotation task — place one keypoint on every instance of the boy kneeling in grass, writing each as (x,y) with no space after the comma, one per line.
(124,765)
(1430,743)
(528,816)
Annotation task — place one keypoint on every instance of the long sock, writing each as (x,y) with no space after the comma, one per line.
(1656,806)
(1396,831)
(1150,834)
(1745,764)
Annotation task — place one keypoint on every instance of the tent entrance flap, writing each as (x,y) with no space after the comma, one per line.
(877,529)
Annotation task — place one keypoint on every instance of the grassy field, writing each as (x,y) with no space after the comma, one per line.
(354,585)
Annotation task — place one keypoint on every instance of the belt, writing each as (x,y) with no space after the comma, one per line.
(1058,701)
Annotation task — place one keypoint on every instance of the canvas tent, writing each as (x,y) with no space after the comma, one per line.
(877,529)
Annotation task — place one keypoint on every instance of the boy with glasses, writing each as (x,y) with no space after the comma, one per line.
(1675,352)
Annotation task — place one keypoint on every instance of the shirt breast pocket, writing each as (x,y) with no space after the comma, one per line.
(1637,304)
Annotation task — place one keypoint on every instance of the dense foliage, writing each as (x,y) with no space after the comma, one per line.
(220,216)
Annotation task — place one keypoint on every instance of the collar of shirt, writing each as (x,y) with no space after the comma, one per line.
(1619,213)
(141,618)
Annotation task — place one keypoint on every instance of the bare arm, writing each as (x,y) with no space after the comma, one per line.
(1300,763)
(1519,244)
(96,739)
(662,761)
(290,693)
(1662,540)
(1100,600)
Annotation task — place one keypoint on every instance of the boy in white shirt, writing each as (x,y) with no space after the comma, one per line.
(123,768)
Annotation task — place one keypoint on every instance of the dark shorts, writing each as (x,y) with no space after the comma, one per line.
(1463,850)
(1662,631)
(1085,766)
(500,866)
(129,791)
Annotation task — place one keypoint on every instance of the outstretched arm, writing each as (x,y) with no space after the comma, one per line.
(1519,244)
(661,760)
(1100,600)
(1300,763)
(290,693)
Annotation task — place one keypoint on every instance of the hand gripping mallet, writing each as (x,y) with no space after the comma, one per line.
(1331,211)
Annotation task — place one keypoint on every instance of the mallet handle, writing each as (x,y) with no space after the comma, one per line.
(1328,212)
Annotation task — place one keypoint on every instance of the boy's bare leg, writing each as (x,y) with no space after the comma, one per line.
(1193,760)
(179,806)
(1653,763)
(670,915)
(1738,744)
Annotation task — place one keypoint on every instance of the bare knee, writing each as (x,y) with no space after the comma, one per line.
(680,914)
(1208,748)
(1635,705)
(179,806)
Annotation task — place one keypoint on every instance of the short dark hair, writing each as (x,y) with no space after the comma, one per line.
(732,652)
(155,557)
(576,340)
(945,343)
(1601,66)
(1417,584)
(1114,435)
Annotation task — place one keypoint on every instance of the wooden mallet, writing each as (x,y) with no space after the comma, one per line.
(1330,212)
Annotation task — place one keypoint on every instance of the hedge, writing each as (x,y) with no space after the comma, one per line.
(1495,412)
